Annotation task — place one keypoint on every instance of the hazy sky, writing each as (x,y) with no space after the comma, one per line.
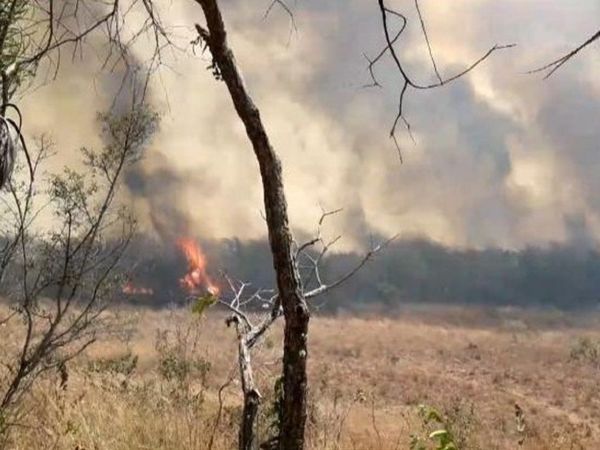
(501,157)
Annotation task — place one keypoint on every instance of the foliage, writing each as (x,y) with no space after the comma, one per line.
(450,430)
(173,367)
(15,41)
(61,276)
(177,358)
(203,303)
(441,437)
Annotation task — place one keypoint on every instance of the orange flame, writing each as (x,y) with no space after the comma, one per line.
(196,278)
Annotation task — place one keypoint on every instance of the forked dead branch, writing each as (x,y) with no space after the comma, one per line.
(243,300)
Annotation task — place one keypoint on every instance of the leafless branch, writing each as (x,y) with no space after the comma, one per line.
(284,6)
(373,62)
(313,259)
(5,320)
(406,80)
(553,66)
(323,288)
(424,30)
(324,215)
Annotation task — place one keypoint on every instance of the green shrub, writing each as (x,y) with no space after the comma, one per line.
(450,430)
(178,360)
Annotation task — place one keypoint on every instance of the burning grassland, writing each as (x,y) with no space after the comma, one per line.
(169,272)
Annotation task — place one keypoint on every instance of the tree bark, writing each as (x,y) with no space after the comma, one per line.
(294,305)
(247,434)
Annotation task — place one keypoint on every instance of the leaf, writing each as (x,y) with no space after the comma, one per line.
(444,438)
(438,434)
(203,303)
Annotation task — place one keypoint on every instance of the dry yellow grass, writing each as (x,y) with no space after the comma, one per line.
(368,376)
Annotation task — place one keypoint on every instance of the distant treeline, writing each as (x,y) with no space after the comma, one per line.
(407,271)
(563,276)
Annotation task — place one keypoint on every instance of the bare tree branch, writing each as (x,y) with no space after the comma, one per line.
(323,288)
(424,30)
(242,299)
(407,81)
(553,66)
(283,5)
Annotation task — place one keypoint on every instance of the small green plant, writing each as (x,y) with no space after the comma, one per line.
(440,438)
(173,367)
(450,430)
(203,303)
(177,359)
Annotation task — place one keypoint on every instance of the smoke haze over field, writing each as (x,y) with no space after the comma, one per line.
(501,158)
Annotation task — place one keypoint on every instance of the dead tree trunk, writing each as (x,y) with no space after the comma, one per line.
(247,438)
(295,309)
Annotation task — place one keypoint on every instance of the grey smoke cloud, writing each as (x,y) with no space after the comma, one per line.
(502,158)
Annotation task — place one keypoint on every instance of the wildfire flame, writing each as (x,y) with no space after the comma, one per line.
(196,279)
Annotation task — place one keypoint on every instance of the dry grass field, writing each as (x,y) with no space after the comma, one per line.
(170,383)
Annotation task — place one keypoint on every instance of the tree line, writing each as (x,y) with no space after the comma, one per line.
(412,270)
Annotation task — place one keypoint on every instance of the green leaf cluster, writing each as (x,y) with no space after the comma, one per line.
(441,438)
(16,37)
(203,303)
